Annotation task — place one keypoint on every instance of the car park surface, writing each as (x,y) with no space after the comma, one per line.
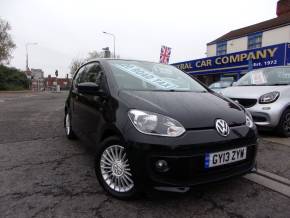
(42,174)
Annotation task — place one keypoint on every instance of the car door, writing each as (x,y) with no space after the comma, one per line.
(91,106)
(74,100)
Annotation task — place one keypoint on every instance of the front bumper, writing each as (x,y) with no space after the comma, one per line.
(186,162)
(266,115)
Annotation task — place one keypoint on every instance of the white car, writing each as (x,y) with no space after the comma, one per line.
(220,85)
(266,94)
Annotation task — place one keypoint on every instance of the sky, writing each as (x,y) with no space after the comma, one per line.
(68,29)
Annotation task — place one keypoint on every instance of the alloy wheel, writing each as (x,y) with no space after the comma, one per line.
(67,124)
(115,169)
(287,123)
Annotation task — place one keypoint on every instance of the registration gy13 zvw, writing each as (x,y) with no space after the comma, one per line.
(225,157)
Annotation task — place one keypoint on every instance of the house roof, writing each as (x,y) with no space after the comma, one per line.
(280,21)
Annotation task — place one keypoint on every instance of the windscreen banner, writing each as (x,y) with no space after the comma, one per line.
(146,75)
(269,56)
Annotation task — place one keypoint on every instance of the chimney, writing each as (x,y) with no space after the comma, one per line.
(283,7)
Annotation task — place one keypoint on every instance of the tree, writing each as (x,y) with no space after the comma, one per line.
(75,64)
(6,42)
(95,54)
(12,79)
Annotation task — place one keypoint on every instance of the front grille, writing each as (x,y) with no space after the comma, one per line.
(259,118)
(246,102)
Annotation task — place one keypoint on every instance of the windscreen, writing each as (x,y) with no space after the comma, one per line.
(266,77)
(148,76)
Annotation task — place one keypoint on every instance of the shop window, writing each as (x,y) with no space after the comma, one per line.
(221,48)
(255,41)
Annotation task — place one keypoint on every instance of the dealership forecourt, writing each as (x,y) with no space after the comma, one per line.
(42,174)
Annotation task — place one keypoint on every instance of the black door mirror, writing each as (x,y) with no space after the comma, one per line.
(89,88)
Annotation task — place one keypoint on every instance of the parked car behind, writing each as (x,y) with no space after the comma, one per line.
(220,85)
(154,126)
(266,94)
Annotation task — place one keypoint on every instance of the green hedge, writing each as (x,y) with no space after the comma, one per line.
(12,79)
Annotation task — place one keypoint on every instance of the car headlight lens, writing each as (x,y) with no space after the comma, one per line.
(269,97)
(249,121)
(155,124)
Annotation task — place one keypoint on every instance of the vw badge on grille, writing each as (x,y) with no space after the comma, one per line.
(222,127)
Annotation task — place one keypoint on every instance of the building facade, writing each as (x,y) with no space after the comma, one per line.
(37,74)
(232,55)
(36,78)
(52,82)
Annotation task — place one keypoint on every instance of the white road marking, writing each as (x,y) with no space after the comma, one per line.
(29,95)
(274,177)
(1,100)
(281,141)
(269,183)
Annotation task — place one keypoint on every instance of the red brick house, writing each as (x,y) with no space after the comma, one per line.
(51,82)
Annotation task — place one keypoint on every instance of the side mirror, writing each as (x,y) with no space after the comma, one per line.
(89,88)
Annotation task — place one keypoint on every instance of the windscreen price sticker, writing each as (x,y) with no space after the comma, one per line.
(258,78)
(146,75)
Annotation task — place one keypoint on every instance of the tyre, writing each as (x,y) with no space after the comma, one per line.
(68,126)
(113,169)
(284,124)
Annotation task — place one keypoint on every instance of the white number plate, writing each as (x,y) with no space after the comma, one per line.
(225,157)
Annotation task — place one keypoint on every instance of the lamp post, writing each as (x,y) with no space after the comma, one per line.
(27,67)
(26,48)
(114,38)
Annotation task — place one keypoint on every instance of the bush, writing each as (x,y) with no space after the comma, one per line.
(12,79)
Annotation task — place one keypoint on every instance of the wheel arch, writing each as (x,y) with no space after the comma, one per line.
(111,131)
(280,127)
(286,107)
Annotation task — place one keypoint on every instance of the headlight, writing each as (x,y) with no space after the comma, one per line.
(269,97)
(249,121)
(155,124)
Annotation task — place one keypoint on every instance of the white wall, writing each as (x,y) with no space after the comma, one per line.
(270,37)
(276,36)
(211,50)
(236,45)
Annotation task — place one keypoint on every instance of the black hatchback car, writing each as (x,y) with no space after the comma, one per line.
(152,125)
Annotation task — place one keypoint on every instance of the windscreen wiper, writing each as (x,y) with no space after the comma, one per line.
(248,85)
(279,84)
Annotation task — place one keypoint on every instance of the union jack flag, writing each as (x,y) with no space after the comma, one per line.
(165,54)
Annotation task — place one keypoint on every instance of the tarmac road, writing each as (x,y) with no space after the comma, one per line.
(42,174)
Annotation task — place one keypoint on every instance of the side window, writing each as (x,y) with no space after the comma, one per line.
(92,73)
(77,78)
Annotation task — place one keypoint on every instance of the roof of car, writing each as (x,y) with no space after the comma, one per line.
(280,21)
(107,59)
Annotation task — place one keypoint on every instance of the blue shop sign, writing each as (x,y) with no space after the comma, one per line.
(288,54)
(269,56)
